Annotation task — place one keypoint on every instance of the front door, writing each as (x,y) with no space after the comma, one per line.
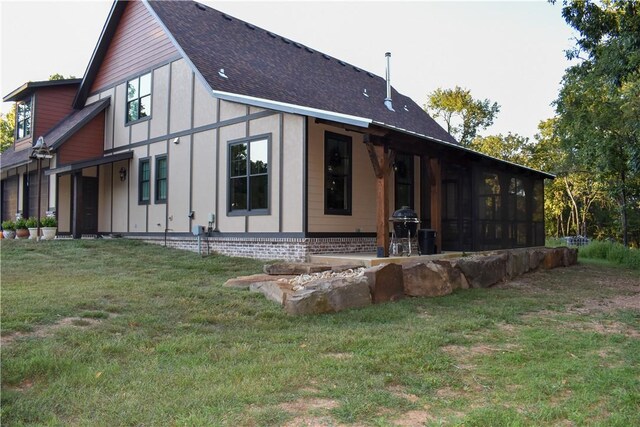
(89,205)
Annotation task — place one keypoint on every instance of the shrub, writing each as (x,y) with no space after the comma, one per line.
(21,224)
(613,252)
(49,221)
(32,222)
(8,225)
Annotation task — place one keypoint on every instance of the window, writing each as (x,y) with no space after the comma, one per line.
(404,180)
(139,98)
(249,176)
(337,174)
(161,179)
(144,182)
(23,119)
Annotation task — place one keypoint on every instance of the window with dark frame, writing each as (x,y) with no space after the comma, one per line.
(139,98)
(249,176)
(144,182)
(161,179)
(337,174)
(23,119)
(403,167)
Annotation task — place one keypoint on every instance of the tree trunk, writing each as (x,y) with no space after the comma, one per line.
(625,237)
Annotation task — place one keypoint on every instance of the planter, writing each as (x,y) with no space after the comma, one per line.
(33,233)
(49,233)
(9,234)
(22,233)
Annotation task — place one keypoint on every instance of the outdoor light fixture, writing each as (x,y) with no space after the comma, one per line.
(40,151)
(123,173)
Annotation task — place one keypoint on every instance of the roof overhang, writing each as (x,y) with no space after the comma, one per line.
(30,87)
(90,163)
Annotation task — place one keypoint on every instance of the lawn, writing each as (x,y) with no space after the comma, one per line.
(116,332)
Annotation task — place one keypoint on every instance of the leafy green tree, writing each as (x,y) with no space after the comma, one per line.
(512,147)
(462,114)
(598,105)
(58,76)
(7,126)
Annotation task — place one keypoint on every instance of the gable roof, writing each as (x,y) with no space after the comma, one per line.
(73,122)
(270,71)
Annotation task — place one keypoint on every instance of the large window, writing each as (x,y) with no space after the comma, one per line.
(161,179)
(139,98)
(337,174)
(517,212)
(249,176)
(403,167)
(23,119)
(144,182)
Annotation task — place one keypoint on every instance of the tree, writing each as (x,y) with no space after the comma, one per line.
(58,76)
(598,107)
(462,114)
(7,126)
(512,147)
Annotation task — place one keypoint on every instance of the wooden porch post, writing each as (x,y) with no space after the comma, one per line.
(76,204)
(435,178)
(381,160)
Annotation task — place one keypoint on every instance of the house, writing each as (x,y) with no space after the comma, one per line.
(187,116)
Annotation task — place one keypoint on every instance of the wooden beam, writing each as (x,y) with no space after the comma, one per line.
(382,202)
(435,178)
(351,128)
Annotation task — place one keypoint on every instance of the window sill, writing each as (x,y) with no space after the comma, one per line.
(135,122)
(257,212)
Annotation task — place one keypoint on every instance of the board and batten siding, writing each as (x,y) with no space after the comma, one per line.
(363,186)
(192,129)
(139,43)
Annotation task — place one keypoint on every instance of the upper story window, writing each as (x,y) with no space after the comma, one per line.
(23,119)
(337,174)
(249,176)
(139,98)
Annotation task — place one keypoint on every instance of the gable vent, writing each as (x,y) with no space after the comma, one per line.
(200,6)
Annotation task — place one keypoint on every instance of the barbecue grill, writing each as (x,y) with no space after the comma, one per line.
(405,224)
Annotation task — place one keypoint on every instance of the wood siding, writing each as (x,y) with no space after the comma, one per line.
(51,106)
(85,144)
(138,44)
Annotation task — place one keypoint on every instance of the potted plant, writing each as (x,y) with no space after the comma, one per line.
(32,225)
(22,231)
(49,227)
(8,229)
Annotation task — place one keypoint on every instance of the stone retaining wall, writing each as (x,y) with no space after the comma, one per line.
(389,282)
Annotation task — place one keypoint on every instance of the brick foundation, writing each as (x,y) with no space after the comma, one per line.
(287,249)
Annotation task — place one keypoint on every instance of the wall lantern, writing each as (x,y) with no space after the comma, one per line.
(123,173)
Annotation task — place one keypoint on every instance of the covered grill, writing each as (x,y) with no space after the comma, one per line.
(405,222)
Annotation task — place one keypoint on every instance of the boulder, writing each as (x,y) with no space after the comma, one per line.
(484,271)
(294,268)
(453,274)
(425,280)
(329,295)
(385,282)
(553,258)
(570,256)
(276,291)
(244,282)
(536,257)
(517,263)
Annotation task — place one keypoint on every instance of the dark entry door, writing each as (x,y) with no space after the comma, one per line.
(456,208)
(89,208)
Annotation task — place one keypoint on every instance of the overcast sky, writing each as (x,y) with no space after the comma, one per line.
(511,52)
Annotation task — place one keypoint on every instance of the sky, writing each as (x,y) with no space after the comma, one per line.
(511,52)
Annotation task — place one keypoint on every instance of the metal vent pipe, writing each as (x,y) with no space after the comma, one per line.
(387,101)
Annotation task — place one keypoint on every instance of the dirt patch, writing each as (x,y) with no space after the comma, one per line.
(401,392)
(306,405)
(622,302)
(416,418)
(48,330)
(22,387)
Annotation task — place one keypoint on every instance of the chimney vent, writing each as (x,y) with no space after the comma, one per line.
(387,101)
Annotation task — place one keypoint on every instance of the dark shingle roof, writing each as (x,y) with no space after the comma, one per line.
(263,65)
(11,158)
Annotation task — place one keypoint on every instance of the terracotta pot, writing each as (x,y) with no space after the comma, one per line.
(22,233)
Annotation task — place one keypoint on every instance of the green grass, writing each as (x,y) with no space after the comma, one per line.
(158,341)
(612,252)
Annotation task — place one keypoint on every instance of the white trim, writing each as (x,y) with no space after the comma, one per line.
(293,108)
